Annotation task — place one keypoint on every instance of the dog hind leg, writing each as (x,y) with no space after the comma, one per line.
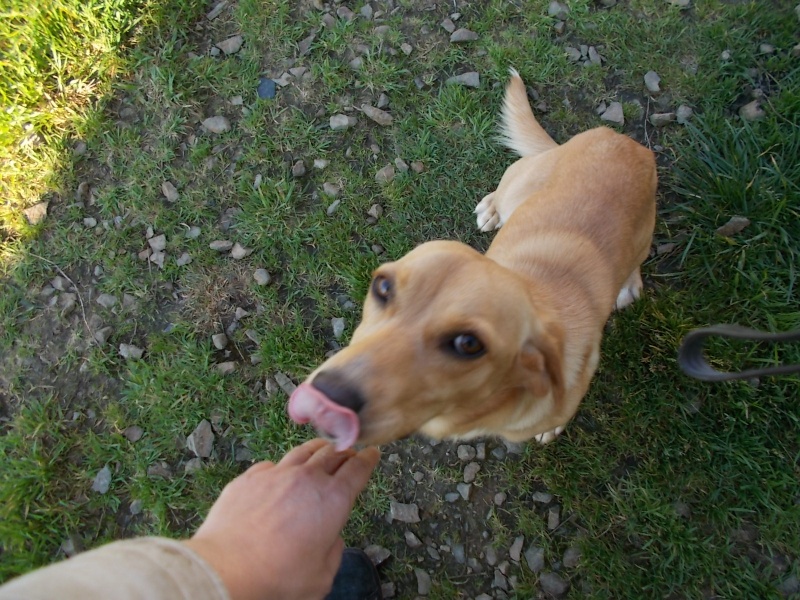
(487,215)
(631,290)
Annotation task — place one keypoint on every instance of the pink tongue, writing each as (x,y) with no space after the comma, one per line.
(336,422)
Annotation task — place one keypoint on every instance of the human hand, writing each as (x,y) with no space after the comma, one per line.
(275,531)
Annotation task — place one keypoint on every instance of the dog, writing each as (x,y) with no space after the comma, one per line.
(457,344)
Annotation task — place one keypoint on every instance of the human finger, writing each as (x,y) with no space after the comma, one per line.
(300,454)
(264,465)
(329,460)
(355,472)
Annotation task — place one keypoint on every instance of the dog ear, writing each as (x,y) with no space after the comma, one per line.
(541,362)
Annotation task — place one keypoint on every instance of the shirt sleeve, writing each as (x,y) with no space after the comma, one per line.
(139,569)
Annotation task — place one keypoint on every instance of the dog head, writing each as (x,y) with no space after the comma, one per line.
(450,344)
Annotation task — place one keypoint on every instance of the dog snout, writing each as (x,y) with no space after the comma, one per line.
(338,389)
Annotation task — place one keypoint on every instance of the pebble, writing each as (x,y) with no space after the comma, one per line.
(466,453)
(433,553)
(89,222)
(133,433)
(331,189)
(366,12)
(500,580)
(192,233)
(483,597)
(789,587)
(499,453)
(573,53)
(201,440)
(385,175)
(136,507)
(553,517)
(342,122)
(515,551)
(217,124)
(345,13)
(383,100)
(766,49)
(262,277)
(418,166)
(382,30)
(490,554)
(321,163)
(471,79)
(387,589)
(558,10)
(423,582)
(337,324)
(405,513)
(471,471)
(215,12)
(375,211)
(157,258)
(553,584)
(534,557)
(679,3)
(418,476)
(500,498)
(464,489)
(651,82)
(401,165)
(726,55)
(239,252)
(159,470)
(376,114)
(406,48)
(102,481)
(332,208)
(542,497)
(266,89)
(226,368)
(661,119)
(448,25)
(451,497)
(170,191)
(193,465)
(412,540)
(572,557)
(240,313)
(106,300)
(459,553)
(752,111)
(480,451)
(184,259)
(683,114)
(130,351)
(614,114)
(377,554)
(285,383)
(79,149)
(460,36)
(35,214)
(221,245)
(298,169)
(220,340)
(733,226)
(101,335)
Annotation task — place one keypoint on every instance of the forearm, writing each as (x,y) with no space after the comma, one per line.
(139,569)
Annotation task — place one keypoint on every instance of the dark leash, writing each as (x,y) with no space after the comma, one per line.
(692,361)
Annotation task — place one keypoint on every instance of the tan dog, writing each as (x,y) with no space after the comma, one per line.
(455,344)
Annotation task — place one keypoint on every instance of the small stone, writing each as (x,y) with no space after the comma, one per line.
(651,82)
(220,340)
(283,80)
(464,489)
(193,465)
(500,581)
(215,12)
(515,552)
(221,245)
(679,3)
(423,582)
(559,27)
(471,79)
(500,498)
(558,10)
(321,163)
(304,47)
(231,45)
(133,433)
(262,277)
(401,165)
(448,25)
(226,368)
(79,149)
(733,226)
(201,440)
(160,470)
(366,12)
(130,351)
(665,248)
(462,35)
(418,167)
(752,111)
(661,119)
(106,300)
(614,114)
(766,49)
(377,554)
(266,89)
(480,451)
(534,557)
(217,124)
(298,169)
(405,513)
(683,114)
(285,383)
(36,213)
(170,191)
(542,497)
(572,556)
(239,252)
(101,335)
(330,189)
(192,233)
(594,56)
(157,258)
(158,243)
(499,453)
(406,49)
(553,517)
(471,471)
(382,31)
(412,540)
(726,55)
(338,327)
(240,313)
(376,114)
(332,208)
(345,13)
(796,51)
(375,211)
(466,453)
(385,175)
(452,497)
(388,591)
(89,222)
(553,585)
(184,259)
(136,507)
(342,122)
(490,554)
(102,481)
(237,101)
(789,587)
(573,53)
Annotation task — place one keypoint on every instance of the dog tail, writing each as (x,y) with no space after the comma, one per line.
(519,129)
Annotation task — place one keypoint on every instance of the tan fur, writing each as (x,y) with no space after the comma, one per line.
(577,221)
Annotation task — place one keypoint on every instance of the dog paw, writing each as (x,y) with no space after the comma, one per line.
(630,292)
(488,219)
(549,436)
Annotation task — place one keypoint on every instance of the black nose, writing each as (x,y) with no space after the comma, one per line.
(336,387)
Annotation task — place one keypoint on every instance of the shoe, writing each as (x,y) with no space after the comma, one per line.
(356,579)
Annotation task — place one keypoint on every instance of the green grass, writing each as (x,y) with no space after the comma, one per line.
(133,80)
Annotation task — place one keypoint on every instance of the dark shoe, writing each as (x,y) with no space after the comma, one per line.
(356,579)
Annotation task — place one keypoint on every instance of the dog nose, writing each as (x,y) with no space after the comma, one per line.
(336,387)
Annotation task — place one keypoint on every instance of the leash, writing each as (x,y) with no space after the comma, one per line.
(692,361)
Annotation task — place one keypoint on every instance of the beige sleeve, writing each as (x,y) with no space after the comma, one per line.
(138,569)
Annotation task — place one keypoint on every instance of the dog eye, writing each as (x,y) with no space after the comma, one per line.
(468,346)
(382,287)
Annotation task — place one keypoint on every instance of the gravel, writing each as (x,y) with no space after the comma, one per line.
(133,433)
(471,79)
(733,226)
(220,340)
(553,585)
(102,481)
(342,122)
(412,540)
(107,301)
(651,82)
(377,554)
(405,513)
(662,119)
(381,117)
(459,36)
(534,557)
(466,453)
(170,191)
(385,175)
(285,383)
(217,124)
(752,111)
(239,252)
(201,440)
(614,114)
(471,471)
(464,489)
(515,551)
(130,351)
(338,326)
(35,214)
(261,276)
(221,245)
(423,582)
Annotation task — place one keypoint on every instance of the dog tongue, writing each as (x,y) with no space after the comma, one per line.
(336,422)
